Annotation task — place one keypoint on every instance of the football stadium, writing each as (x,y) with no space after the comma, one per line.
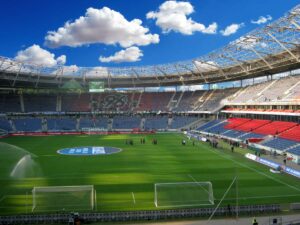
(214,138)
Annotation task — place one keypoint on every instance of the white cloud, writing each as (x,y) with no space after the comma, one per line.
(61,60)
(262,19)
(66,70)
(172,16)
(97,72)
(101,26)
(211,29)
(206,66)
(36,55)
(231,29)
(131,54)
(70,69)
(246,42)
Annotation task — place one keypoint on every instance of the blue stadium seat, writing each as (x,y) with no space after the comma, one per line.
(280,143)
(252,135)
(208,124)
(5,125)
(233,133)
(156,122)
(181,121)
(28,124)
(126,122)
(295,150)
(63,124)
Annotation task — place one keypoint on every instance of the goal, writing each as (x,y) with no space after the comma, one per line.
(183,194)
(63,198)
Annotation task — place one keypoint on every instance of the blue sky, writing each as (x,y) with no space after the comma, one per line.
(27,23)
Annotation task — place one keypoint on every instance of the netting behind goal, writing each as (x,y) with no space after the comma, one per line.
(63,198)
(183,194)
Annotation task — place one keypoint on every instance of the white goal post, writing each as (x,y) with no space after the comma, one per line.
(183,194)
(65,198)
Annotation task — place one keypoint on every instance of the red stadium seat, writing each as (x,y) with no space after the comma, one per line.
(292,134)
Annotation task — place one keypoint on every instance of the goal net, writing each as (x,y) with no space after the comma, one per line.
(183,194)
(63,198)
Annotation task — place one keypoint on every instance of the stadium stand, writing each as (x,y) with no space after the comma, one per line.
(125,102)
(75,103)
(5,124)
(61,124)
(214,98)
(86,122)
(246,94)
(252,125)
(209,124)
(295,150)
(235,122)
(279,143)
(274,128)
(154,101)
(126,122)
(118,102)
(251,135)
(243,129)
(233,133)
(156,122)
(28,124)
(285,89)
(274,90)
(218,128)
(188,99)
(101,122)
(181,121)
(10,103)
(39,103)
(292,134)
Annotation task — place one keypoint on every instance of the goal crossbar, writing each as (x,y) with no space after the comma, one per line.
(63,188)
(205,182)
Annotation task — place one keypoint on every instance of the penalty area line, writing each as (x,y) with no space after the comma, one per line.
(133,197)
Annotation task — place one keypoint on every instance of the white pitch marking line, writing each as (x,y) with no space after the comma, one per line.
(133,197)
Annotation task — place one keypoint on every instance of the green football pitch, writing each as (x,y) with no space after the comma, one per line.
(126,180)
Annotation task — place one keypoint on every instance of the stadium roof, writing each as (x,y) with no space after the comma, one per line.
(270,49)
